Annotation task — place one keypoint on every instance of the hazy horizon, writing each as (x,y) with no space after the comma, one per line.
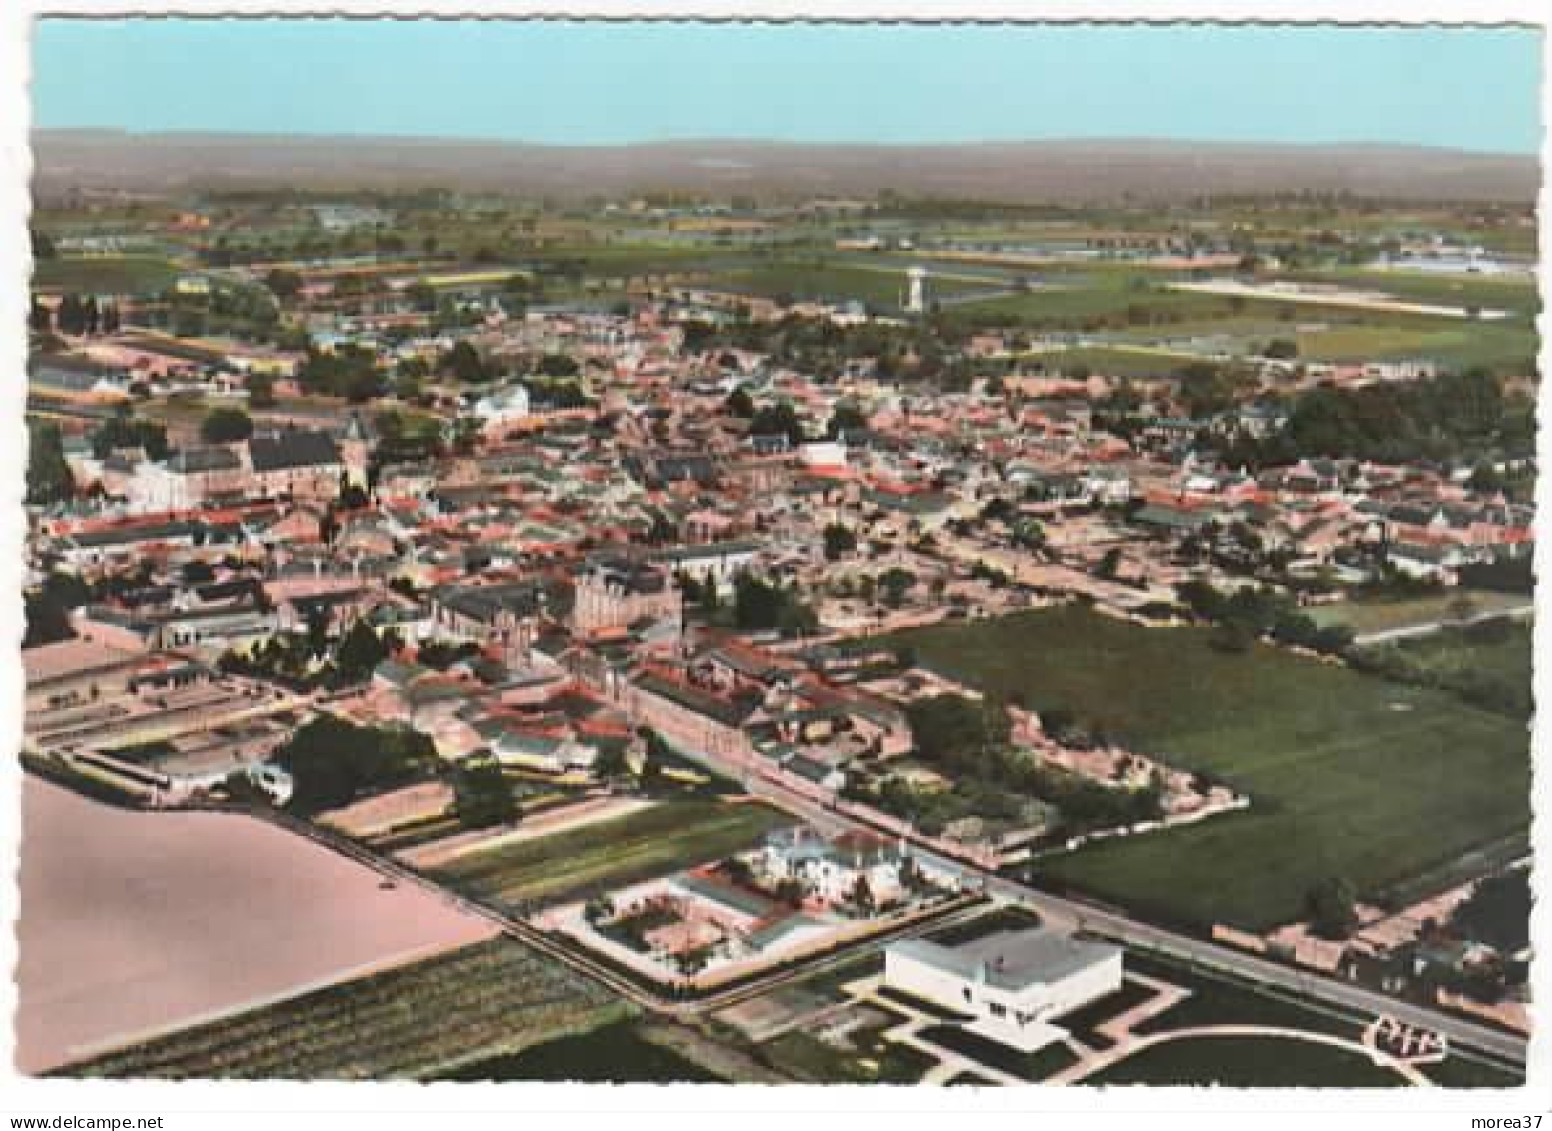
(774,142)
(603,85)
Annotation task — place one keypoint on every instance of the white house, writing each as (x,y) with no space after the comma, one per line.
(1013,983)
(503,406)
(715,562)
(831,869)
(541,753)
(823,453)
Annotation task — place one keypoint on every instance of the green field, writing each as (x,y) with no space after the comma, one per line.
(652,842)
(1353,337)
(1455,651)
(1110,361)
(413,1022)
(1487,664)
(634,259)
(116,274)
(1100,295)
(1247,1062)
(612,1054)
(1349,775)
(1380,615)
(1450,343)
(1486,292)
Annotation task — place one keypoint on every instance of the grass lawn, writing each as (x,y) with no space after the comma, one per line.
(1219,1000)
(828,983)
(870,1060)
(1084,1023)
(1008,918)
(1457,1072)
(1366,616)
(1349,775)
(612,853)
(613,1054)
(107,274)
(1032,1066)
(922,1005)
(1247,1062)
(971,1080)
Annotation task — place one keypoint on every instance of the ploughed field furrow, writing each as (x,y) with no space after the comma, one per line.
(398,1022)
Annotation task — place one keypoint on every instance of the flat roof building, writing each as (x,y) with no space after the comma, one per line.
(1012,984)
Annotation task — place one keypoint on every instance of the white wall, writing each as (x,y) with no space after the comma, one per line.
(1046,1001)
(905,973)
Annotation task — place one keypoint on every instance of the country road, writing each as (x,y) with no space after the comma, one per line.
(1067,913)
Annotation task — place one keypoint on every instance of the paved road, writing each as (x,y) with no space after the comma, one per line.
(1301,982)
(1073,914)
(1066,913)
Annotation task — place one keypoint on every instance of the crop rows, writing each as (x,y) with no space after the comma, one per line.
(493,997)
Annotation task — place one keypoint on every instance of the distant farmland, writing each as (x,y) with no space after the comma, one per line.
(880,288)
(106,274)
(1349,775)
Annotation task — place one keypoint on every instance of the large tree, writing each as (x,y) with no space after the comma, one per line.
(48,475)
(226,426)
(332,761)
(464,363)
(838,541)
(482,794)
(360,651)
(283,284)
(778,420)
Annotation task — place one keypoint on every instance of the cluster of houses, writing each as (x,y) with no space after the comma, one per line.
(571,576)
(798,890)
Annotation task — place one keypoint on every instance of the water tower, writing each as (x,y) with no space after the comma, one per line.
(916,290)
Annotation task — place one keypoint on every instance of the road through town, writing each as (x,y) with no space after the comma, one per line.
(1075,915)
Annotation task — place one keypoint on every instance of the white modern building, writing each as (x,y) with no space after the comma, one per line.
(503,406)
(1013,984)
(823,453)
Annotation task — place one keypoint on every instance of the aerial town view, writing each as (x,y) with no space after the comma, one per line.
(536,574)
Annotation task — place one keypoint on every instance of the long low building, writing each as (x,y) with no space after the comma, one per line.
(1013,984)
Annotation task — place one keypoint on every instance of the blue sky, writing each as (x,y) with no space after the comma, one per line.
(569,83)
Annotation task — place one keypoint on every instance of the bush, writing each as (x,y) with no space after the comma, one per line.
(226,426)
(1332,909)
